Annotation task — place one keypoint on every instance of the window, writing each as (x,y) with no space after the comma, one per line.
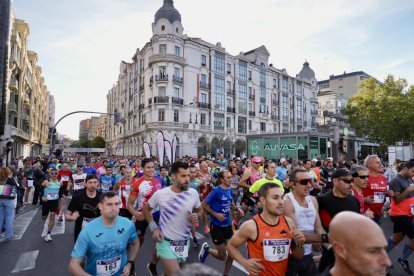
(219,101)
(228,122)
(176,115)
(228,85)
(161,115)
(203,79)
(203,60)
(250,75)
(219,62)
(242,70)
(177,51)
(203,119)
(274,83)
(161,91)
(284,84)
(262,127)
(250,107)
(285,114)
(243,106)
(250,124)
(218,122)
(243,90)
(275,128)
(176,92)
(228,102)
(177,72)
(144,119)
(285,100)
(163,72)
(228,68)
(241,125)
(299,105)
(218,83)
(203,98)
(163,48)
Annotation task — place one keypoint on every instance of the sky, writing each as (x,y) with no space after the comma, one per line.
(81,43)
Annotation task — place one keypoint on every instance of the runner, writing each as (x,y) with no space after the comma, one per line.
(360,175)
(104,242)
(176,204)
(205,189)
(302,208)
(83,207)
(106,181)
(402,212)
(78,179)
(195,184)
(269,236)
(88,169)
(250,176)
(64,176)
(123,187)
(166,180)
(218,204)
(141,191)
(50,201)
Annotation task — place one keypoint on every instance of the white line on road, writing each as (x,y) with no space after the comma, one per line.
(26,261)
(21,223)
(239,266)
(58,228)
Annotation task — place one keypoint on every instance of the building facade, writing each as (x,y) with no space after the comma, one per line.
(209,99)
(27,109)
(51,110)
(84,126)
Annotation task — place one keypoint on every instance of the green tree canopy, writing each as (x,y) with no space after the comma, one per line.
(98,142)
(383,112)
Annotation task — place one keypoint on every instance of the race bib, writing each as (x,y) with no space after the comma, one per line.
(180,248)
(52,196)
(78,186)
(85,221)
(276,250)
(108,267)
(65,178)
(378,197)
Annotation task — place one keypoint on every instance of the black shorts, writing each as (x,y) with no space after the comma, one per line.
(125,213)
(403,224)
(49,206)
(141,226)
(220,234)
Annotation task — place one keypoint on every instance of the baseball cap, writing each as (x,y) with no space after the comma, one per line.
(314,160)
(256,159)
(329,159)
(340,173)
(282,160)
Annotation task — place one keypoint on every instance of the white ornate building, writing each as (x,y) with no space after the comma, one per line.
(205,96)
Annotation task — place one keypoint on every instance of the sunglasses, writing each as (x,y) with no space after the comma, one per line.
(53,173)
(257,162)
(305,182)
(347,181)
(362,176)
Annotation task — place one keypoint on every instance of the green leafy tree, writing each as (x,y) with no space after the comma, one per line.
(383,112)
(75,144)
(98,142)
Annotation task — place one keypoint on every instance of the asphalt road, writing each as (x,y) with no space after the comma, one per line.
(30,255)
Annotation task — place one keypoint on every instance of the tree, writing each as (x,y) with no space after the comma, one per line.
(98,142)
(383,112)
(75,144)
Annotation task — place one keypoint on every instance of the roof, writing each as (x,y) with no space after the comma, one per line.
(306,72)
(344,75)
(168,12)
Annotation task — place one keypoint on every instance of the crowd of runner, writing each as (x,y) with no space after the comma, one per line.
(286,211)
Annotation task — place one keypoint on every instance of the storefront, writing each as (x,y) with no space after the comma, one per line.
(299,146)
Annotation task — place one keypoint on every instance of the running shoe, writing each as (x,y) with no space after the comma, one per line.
(48,238)
(405,265)
(206,229)
(196,242)
(202,256)
(152,268)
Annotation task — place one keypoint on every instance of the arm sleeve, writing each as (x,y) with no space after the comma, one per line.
(133,234)
(72,205)
(154,200)
(210,196)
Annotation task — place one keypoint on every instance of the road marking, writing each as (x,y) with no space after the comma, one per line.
(26,261)
(21,223)
(58,227)
(239,266)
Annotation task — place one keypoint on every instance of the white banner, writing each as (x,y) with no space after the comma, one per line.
(147,150)
(160,146)
(174,147)
(168,150)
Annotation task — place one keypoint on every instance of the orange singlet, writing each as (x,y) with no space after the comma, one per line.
(272,246)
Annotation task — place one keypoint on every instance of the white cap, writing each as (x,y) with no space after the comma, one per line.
(282,160)
(314,160)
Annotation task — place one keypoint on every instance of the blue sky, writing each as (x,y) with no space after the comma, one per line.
(82,42)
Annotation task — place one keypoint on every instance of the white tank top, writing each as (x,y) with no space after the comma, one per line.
(305,218)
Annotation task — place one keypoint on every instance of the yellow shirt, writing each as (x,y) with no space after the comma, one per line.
(256,186)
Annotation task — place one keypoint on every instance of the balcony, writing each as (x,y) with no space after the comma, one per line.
(20,133)
(161,100)
(204,105)
(12,106)
(178,101)
(14,84)
(275,117)
(177,79)
(161,78)
(169,125)
(251,97)
(204,127)
(275,102)
(231,109)
(205,86)
(252,113)
(231,92)
(262,100)
(166,58)
(141,88)
(141,106)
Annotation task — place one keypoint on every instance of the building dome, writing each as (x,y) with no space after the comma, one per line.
(168,12)
(306,72)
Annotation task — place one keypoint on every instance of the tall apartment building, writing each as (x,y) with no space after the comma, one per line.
(333,94)
(51,110)
(84,126)
(209,99)
(27,109)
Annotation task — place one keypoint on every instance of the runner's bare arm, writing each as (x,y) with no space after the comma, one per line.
(298,238)
(243,180)
(75,267)
(130,204)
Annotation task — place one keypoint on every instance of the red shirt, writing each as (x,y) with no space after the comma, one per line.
(376,189)
(64,176)
(143,190)
(124,190)
(205,188)
(360,198)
